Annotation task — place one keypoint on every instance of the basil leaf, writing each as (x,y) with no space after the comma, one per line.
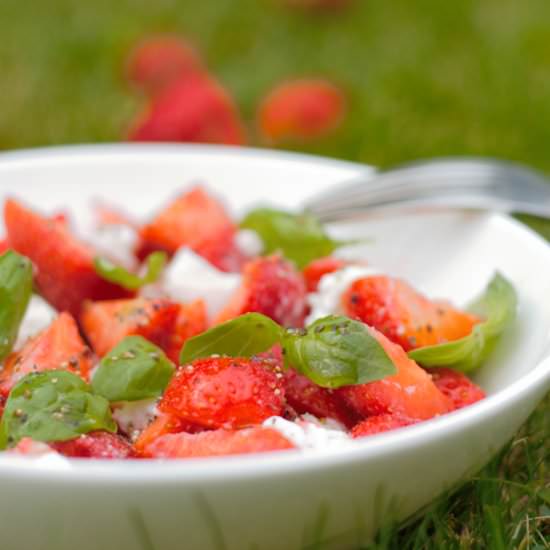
(15,293)
(134,369)
(54,405)
(243,336)
(498,307)
(300,237)
(336,351)
(109,271)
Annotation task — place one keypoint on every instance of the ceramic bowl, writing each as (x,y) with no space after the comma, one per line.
(327,499)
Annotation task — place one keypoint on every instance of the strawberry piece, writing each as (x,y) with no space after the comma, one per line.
(224,392)
(194,108)
(406,317)
(98,444)
(59,346)
(410,393)
(314,271)
(163,424)
(29,447)
(65,272)
(218,443)
(304,396)
(107,323)
(156,62)
(271,286)
(224,254)
(379,424)
(457,387)
(301,110)
(194,219)
(4,246)
(191,320)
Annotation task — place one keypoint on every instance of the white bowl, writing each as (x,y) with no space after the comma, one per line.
(287,500)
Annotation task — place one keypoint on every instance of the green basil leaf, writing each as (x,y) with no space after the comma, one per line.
(54,405)
(300,237)
(497,306)
(134,369)
(109,271)
(243,336)
(336,351)
(15,293)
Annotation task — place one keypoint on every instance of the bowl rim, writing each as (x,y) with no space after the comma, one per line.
(282,463)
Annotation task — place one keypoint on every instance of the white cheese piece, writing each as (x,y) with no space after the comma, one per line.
(116,242)
(189,277)
(134,416)
(38,316)
(309,433)
(249,242)
(327,299)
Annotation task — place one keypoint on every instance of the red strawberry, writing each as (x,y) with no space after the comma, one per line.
(194,108)
(380,423)
(163,424)
(107,323)
(98,444)
(304,396)
(301,110)
(218,443)
(194,219)
(4,246)
(65,271)
(156,62)
(410,393)
(271,286)
(314,271)
(59,346)
(406,317)
(190,321)
(224,392)
(457,387)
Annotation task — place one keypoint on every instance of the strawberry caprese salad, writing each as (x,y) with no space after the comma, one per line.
(195,335)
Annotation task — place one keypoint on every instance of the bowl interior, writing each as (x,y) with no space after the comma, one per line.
(447,255)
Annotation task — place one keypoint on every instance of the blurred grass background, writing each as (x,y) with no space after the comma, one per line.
(423,78)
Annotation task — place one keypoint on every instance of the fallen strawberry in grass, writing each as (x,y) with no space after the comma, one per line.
(195,108)
(301,110)
(158,61)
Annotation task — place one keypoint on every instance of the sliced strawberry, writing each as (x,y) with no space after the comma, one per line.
(191,320)
(271,286)
(457,387)
(29,447)
(98,444)
(224,392)
(107,323)
(163,424)
(380,423)
(410,393)
(224,253)
(304,396)
(317,268)
(193,108)
(218,443)
(194,219)
(4,246)
(406,317)
(65,271)
(59,346)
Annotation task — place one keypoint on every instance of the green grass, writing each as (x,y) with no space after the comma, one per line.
(424,77)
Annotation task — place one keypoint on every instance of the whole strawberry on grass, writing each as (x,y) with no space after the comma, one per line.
(301,110)
(157,61)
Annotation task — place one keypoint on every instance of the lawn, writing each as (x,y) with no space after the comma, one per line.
(423,78)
